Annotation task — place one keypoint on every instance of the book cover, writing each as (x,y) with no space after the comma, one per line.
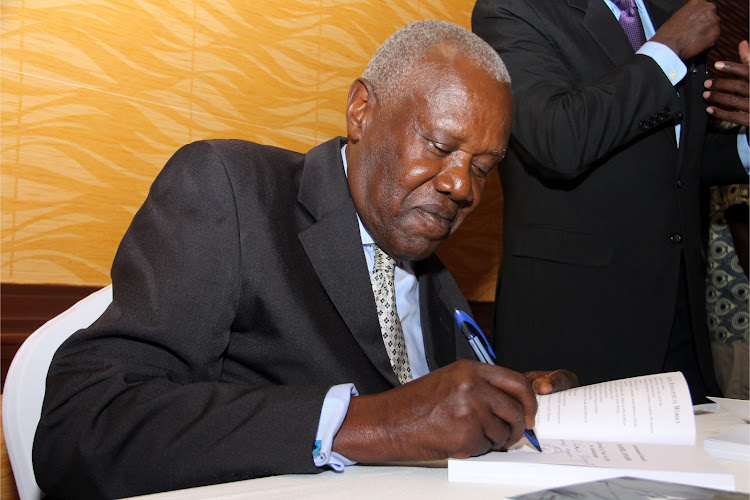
(630,488)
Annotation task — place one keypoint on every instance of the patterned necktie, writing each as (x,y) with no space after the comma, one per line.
(390,326)
(631,22)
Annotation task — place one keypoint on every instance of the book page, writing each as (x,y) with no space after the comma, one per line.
(572,461)
(648,409)
(611,454)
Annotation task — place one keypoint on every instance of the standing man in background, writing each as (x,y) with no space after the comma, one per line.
(602,260)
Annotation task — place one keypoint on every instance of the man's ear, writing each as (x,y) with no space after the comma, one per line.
(359,108)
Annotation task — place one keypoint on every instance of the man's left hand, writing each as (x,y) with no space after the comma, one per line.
(730,96)
(547,382)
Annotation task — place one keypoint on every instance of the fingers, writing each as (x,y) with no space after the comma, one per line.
(479,414)
(727,86)
(547,382)
(736,117)
(518,387)
(555,381)
(504,424)
(499,400)
(744,50)
(508,419)
(728,99)
(733,68)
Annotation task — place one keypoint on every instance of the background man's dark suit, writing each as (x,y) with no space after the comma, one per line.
(269,249)
(601,207)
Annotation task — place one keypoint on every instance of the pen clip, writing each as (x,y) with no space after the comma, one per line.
(462,318)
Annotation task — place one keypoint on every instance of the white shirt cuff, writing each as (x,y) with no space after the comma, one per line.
(670,64)
(332,415)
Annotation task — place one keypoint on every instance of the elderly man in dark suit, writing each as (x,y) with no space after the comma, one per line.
(244,339)
(602,261)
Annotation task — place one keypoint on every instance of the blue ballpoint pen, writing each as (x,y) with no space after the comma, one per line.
(478,341)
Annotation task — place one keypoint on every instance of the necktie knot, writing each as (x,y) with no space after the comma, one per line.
(625,4)
(631,23)
(383,261)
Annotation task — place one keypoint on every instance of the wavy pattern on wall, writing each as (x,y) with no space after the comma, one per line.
(97,95)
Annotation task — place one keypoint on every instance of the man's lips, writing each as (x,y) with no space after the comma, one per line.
(438,216)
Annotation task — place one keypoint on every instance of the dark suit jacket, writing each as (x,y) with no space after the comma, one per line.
(600,204)
(241,295)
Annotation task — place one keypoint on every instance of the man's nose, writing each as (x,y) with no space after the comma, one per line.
(455,179)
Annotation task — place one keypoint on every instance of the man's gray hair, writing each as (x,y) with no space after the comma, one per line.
(403,50)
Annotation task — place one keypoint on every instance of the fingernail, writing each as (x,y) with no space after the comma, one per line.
(720,65)
(706,94)
(708,83)
(710,111)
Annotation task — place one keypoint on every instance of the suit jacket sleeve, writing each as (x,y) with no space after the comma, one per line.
(135,403)
(569,114)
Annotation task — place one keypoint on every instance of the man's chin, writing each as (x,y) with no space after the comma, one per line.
(417,248)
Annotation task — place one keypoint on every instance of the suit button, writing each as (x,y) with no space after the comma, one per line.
(660,117)
(679,183)
(643,126)
(676,238)
(652,121)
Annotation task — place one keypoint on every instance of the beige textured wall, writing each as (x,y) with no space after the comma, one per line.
(96,95)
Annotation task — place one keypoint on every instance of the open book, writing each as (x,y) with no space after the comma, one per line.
(640,427)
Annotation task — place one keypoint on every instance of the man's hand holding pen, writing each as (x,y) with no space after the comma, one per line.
(464,409)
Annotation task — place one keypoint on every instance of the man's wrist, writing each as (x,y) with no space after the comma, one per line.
(332,414)
(672,66)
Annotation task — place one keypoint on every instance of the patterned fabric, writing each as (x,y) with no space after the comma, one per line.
(390,326)
(630,21)
(726,285)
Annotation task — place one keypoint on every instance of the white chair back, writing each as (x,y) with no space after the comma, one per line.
(26,381)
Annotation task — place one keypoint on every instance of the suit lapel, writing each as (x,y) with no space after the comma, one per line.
(334,247)
(437,303)
(604,29)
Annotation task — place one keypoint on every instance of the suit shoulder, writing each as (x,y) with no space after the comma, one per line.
(494,8)
(247,151)
(238,157)
(505,22)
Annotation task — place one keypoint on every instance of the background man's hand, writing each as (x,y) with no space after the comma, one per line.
(730,97)
(547,382)
(464,409)
(691,30)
